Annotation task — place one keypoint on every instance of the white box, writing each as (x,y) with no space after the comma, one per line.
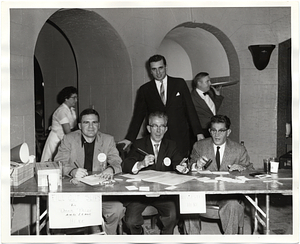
(45,169)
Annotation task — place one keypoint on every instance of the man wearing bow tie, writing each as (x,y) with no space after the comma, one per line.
(206,98)
(170,95)
(152,152)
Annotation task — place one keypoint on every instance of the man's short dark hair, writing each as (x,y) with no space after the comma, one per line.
(198,77)
(87,112)
(220,119)
(156,58)
(159,115)
(66,93)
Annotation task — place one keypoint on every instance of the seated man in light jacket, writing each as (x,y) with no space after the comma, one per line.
(226,155)
(87,150)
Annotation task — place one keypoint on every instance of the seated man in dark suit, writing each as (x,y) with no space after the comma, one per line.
(160,154)
(225,155)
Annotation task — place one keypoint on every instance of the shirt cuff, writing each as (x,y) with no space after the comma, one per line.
(135,169)
(111,168)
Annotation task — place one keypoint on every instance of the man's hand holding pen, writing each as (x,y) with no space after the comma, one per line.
(148,160)
(183,166)
(203,163)
(78,172)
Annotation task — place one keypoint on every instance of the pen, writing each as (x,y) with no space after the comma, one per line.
(143,152)
(76,165)
(208,162)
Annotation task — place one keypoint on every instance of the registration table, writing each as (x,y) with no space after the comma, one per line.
(280,183)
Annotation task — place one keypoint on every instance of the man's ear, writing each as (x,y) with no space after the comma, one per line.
(148,129)
(79,126)
(228,132)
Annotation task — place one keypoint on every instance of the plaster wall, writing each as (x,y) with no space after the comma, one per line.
(142,31)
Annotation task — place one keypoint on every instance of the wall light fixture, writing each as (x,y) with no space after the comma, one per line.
(261,55)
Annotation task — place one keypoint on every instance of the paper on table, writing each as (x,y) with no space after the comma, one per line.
(131,188)
(162,177)
(220,172)
(208,172)
(92,180)
(144,174)
(231,180)
(144,188)
(168,178)
(170,187)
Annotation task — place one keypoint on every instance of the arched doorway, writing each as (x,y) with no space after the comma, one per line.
(79,48)
(202,47)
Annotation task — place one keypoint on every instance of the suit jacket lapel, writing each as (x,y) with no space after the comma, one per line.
(213,156)
(154,91)
(170,91)
(79,152)
(149,149)
(161,155)
(201,102)
(226,156)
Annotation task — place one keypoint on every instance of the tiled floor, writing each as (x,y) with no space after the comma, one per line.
(281,222)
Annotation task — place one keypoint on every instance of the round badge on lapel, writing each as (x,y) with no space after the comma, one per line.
(167,161)
(102,157)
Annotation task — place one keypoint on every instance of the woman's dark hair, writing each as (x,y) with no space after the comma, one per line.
(66,93)
(198,77)
(87,112)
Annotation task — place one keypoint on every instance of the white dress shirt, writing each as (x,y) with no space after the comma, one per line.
(221,150)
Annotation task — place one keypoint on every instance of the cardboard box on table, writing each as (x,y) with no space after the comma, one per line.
(19,173)
(43,170)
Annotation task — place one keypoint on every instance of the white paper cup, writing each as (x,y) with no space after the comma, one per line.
(274,167)
(53,182)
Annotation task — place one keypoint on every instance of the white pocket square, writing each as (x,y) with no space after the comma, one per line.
(178,94)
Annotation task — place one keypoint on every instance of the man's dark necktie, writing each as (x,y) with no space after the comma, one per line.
(218,158)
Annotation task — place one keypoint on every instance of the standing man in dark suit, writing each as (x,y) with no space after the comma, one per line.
(170,95)
(206,98)
(152,152)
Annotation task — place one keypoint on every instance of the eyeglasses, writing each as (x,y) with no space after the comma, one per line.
(222,131)
(88,123)
(74,97)
(161,127)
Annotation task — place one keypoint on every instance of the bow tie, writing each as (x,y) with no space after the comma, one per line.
(205,93)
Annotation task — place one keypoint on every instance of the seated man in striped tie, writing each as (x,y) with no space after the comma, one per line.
(225,155)
(153,152)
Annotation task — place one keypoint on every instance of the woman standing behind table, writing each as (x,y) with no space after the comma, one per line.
(63,121)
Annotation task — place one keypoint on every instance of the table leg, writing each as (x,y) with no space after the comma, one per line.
(255,216)
(267,214)
(37,215)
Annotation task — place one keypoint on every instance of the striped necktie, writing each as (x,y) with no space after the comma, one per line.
(162,93)
(156,151)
